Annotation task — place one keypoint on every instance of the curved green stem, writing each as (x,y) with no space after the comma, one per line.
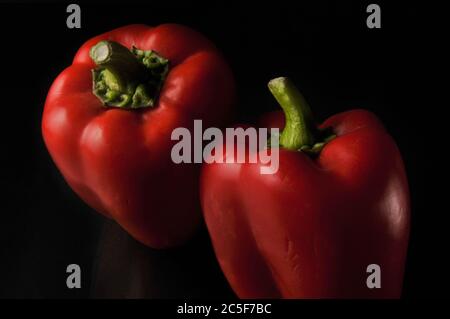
(127,78)
(299,132)
(298,129)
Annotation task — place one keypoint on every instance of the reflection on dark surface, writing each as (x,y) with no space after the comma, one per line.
(124,268)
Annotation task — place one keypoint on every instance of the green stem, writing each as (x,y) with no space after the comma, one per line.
(300,132)
(127,78)
(299,127)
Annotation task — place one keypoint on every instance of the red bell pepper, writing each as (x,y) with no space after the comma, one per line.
(338,203)
(108,120)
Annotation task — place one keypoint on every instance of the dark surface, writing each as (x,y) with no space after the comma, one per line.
(126,269)
(325,47)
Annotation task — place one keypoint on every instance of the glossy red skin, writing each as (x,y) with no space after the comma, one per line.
(311,229)
(118,161)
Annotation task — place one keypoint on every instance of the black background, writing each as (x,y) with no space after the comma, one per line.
(325,47)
